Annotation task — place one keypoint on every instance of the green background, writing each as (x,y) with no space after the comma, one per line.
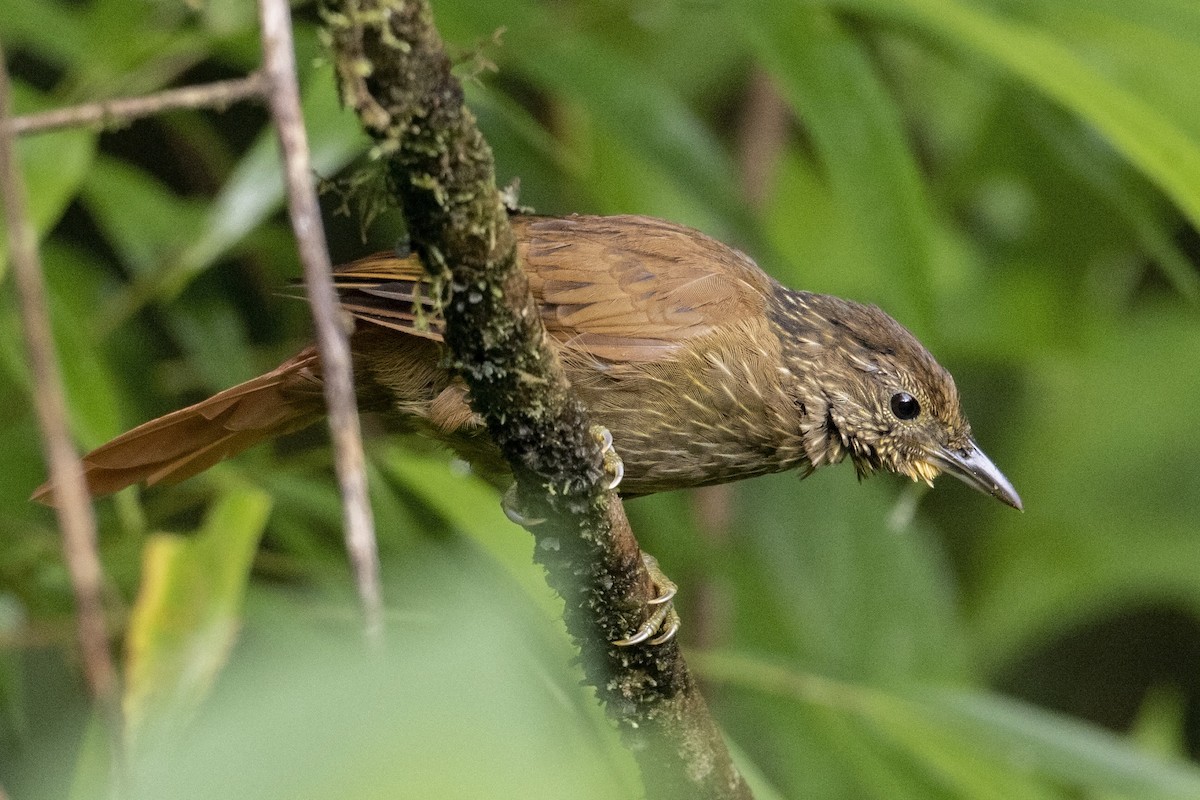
(1018,181)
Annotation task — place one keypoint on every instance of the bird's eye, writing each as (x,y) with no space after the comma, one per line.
(905,406)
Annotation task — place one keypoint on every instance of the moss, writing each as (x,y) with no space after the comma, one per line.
(441,171)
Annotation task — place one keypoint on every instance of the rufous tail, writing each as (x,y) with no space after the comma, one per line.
(189,441)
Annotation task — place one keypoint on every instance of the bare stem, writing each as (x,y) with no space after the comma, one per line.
(395,73)
(279,72)
(219,95)
(72,503)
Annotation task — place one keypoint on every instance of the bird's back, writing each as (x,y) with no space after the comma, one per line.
(663,333)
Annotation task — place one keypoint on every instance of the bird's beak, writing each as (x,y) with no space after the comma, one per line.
(975,469)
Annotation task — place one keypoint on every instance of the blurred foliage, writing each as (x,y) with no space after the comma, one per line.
(1016,180)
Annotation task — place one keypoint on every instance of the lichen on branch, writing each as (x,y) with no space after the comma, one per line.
(394,71)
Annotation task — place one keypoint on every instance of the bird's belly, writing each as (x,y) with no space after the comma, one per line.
(671,440)
(692,422)
(655,461)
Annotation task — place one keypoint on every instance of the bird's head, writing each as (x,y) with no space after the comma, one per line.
(887,404)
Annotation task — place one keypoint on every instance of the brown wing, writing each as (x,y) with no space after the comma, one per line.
(634,288)
(387,290)
(621,288)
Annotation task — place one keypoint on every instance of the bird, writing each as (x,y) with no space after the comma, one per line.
(703,368)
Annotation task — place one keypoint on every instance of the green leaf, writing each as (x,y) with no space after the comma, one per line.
(457,704)
(94,400)
(548,171)
(92,390)
(647,124)
(1060,748)
(860,143)
(255,189)
(53,29)
(130,65)
(759,784)
(1167,153)
(187,614)
(143,219)
(827,580)
(53,166)
(473,507)
(654,123)
(1120,482)
(979,745)
(1127,198)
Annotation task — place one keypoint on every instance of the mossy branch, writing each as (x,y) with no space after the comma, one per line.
(394,71)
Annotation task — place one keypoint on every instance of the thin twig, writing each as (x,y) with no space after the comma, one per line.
(72,502)
(443,174)
(219,95)
(279,70)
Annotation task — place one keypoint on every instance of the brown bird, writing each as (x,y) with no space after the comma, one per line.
(704,369)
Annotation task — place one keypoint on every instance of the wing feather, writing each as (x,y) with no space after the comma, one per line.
(620,289)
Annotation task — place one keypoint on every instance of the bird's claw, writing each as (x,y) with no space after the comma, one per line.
(510,503)
(663,623)
(614,467)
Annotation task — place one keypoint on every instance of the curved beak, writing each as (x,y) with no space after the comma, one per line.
(976,470)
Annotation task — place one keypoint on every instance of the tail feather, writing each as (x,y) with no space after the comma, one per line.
(186,442)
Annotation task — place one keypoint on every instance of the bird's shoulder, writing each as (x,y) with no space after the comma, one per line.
(619,288)
(633,288)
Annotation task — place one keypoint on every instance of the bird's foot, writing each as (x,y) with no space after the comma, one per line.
(614,467)
(663,623)
(510,503)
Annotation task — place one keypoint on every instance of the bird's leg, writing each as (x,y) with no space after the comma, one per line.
(663,622)
(614,467)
